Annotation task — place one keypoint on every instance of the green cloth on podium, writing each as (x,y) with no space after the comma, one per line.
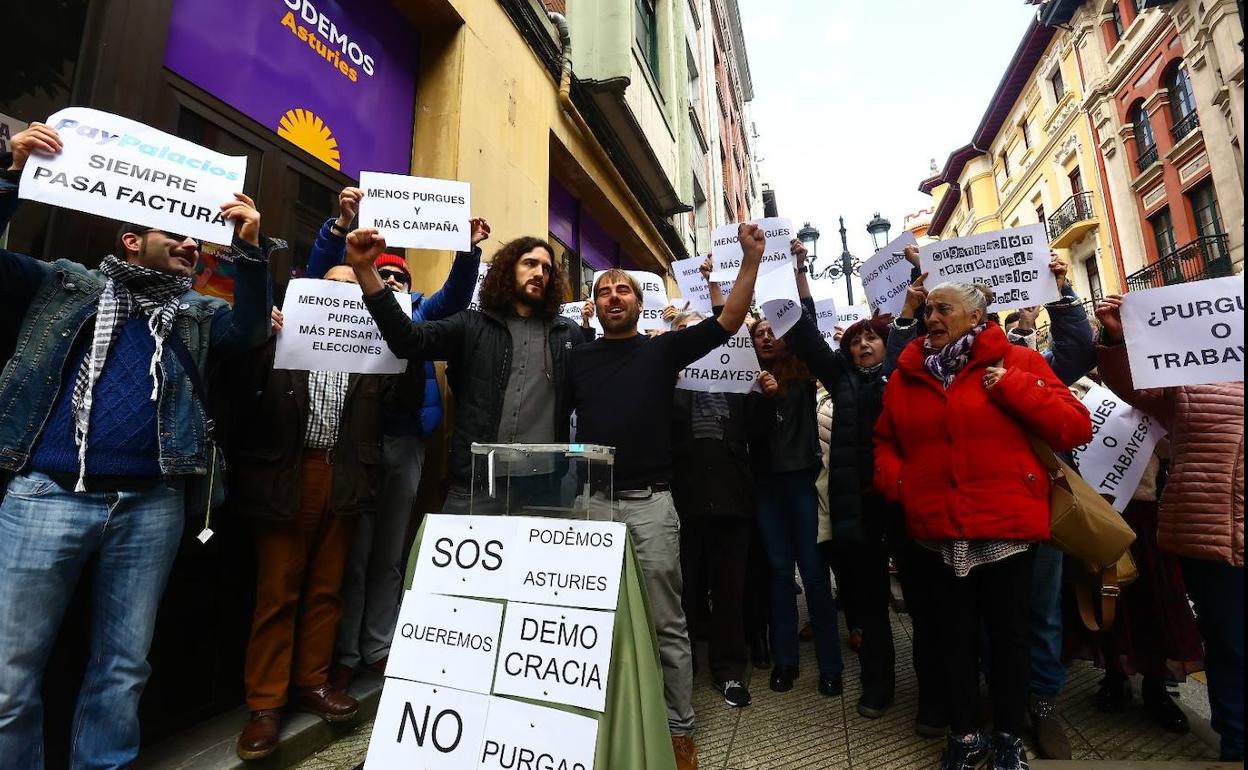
(632,733)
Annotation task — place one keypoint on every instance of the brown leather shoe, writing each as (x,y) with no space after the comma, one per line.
(327,703)
(259,736)
(686,752)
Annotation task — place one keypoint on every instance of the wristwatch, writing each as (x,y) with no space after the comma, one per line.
(336,230)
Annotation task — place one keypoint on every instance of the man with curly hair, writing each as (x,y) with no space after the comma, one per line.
(507,363)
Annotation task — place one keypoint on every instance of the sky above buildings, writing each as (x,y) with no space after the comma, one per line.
(853,98)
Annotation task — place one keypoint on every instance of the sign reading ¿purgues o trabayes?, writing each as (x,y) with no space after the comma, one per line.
(730,368)
(416,212)
(1186,334)
(556,654)
(122,169)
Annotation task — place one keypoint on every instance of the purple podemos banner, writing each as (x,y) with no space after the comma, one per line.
(337,79)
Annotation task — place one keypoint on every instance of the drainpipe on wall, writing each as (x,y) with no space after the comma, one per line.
(565,102)
(1111,220)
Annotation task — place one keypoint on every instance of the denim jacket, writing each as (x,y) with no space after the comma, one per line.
(57,303)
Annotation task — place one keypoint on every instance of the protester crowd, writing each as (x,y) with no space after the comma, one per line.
(906,449)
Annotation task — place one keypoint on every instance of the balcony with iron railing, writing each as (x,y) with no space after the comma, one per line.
(1185,126)
(1207,257)
(1148,156)
(1072,220)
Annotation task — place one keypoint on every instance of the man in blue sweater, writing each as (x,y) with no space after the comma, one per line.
(372,584)
(104,432)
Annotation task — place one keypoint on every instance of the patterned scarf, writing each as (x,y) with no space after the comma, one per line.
(945,363)
(128,289)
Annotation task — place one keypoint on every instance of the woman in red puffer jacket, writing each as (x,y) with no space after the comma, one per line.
(952,447)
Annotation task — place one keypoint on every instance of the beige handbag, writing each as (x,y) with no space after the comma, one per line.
(1084,525)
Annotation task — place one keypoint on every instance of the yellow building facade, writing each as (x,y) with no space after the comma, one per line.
(1033,160)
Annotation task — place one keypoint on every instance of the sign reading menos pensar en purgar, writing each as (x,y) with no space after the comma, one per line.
(336,79)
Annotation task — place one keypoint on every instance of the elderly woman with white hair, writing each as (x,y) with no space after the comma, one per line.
(953,447)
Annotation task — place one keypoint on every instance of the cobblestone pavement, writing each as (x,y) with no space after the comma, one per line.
(803,730)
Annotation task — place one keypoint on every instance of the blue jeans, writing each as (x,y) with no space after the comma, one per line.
(47,536)
(788,519)
(1048,673)
(1217,591)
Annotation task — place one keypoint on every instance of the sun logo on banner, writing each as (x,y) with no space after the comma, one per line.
(308,132)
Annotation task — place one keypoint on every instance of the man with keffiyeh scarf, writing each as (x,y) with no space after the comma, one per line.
(103,431)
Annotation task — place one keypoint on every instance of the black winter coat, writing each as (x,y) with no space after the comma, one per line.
(709,477)
(477,348)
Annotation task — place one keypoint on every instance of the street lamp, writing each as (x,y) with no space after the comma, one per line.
(848,267)
(809,236)
(879,227)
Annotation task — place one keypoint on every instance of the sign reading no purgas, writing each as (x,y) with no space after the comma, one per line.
(1186,334)
(1014,263)
(729,368)
(446,640)
(417,212)
(555,654)
(421,726)
(520,735)
(327,327)
(122,169)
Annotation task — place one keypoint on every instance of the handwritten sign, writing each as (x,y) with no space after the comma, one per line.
(729,368)
(1123,439)
(726,249)
(465,555)
(422,726)
(555,654)
(886,277)
(654,299)
(569,563)
(328,328)
(446,640)
(519,735)
(776,293)
(1014,263)
(693,287)
(416,212)
(1186,334)
(122,169)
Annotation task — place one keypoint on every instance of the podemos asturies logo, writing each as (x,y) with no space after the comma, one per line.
(323,37)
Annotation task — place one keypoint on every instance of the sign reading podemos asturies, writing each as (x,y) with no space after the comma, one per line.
(416,212)
(455,659)
(1187,334)
(326,327)
(121,169)
(1013,263)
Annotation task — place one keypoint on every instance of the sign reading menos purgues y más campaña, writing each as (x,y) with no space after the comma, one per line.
(335,78)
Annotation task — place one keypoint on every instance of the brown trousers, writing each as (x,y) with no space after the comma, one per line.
(299,573)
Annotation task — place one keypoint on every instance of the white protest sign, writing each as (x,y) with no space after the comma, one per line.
(776,293)
(726,249)
(119,168)
(654,299)
(886,277)
(729,368)
(572,312)
(326,327)
(1123,439)
(416,212)
(570,563)
(1186,334)
(482,269)
(420,726)
(827,320)
(555,654)
(693,287)
(1014,263)
(465,555)
(518,735)
(446,640)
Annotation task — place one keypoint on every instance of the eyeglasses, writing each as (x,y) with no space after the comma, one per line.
(397,275)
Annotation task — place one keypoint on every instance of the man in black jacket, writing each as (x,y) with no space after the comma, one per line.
(507,363)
